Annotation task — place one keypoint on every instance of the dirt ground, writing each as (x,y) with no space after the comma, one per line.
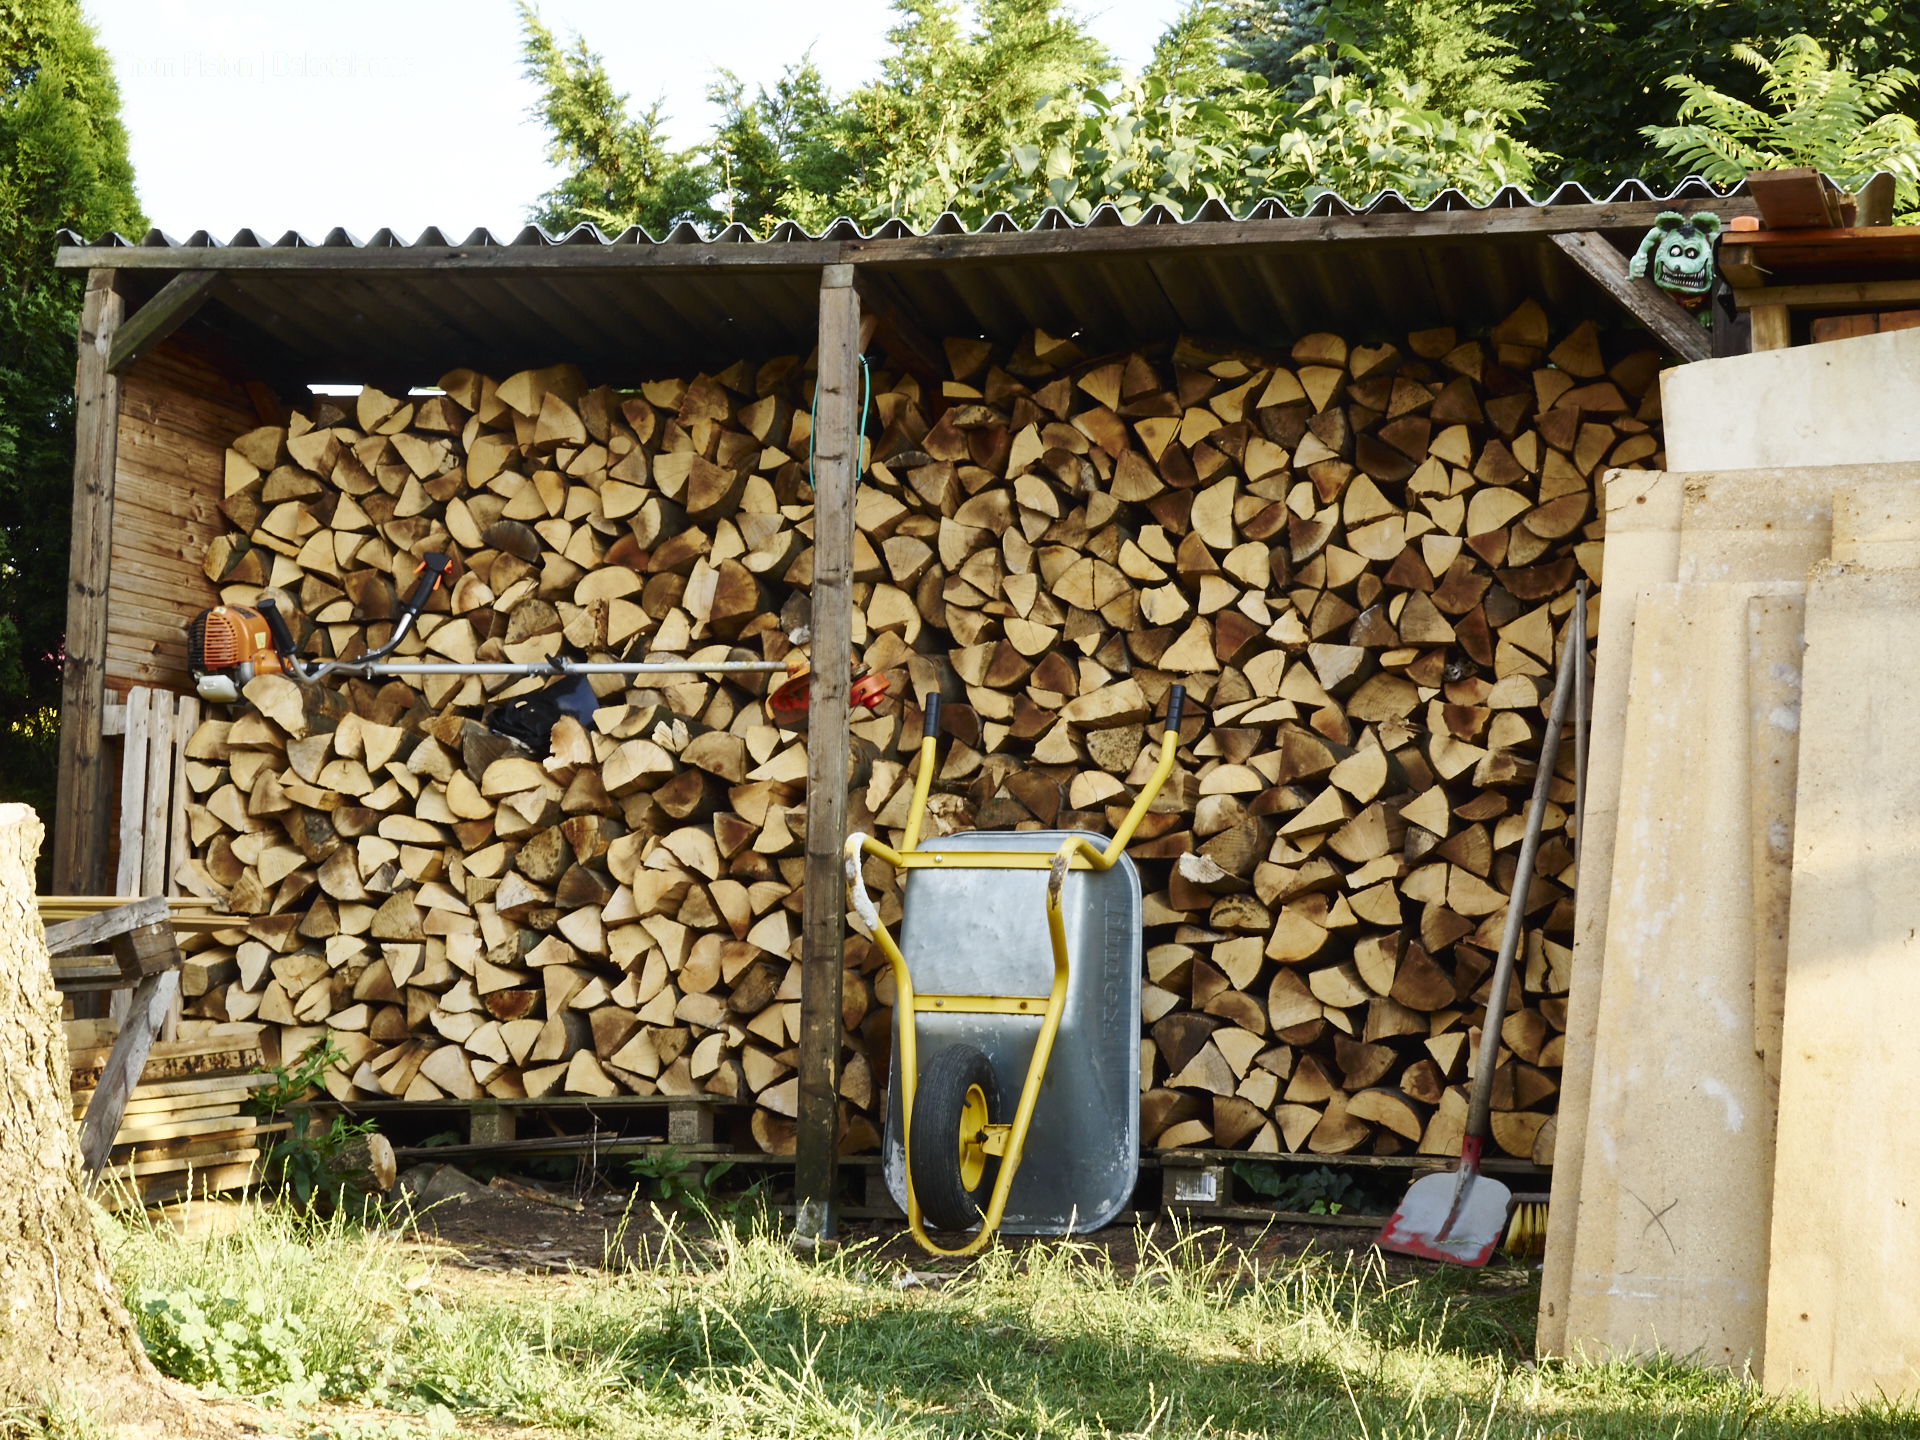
(504,1232)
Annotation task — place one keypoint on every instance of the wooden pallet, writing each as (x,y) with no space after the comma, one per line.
(182,1128)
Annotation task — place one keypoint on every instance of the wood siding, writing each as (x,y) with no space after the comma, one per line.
(178,412)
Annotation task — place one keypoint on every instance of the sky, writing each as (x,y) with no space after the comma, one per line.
(293,115)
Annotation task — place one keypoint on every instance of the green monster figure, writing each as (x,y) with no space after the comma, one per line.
(1679,253)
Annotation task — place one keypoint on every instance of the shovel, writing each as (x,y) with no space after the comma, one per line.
(1459,1218)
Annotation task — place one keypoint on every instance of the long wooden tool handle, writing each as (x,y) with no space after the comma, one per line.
(1582,700)
(1480,1113)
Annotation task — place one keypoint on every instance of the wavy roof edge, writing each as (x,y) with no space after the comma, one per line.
(1326,204)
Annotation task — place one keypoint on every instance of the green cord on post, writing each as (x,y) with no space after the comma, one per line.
(813,417)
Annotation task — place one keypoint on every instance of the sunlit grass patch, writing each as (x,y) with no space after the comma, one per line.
(721,1331)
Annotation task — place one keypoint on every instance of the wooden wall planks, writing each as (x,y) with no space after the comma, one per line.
(178,409)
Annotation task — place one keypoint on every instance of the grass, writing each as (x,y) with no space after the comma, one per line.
(730,1334)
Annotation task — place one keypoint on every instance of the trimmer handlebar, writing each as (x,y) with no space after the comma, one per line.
(433,570)
(269,609)
(930,721)
(1176,700)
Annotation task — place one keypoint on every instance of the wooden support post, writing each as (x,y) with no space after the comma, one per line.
(836,471)
(159,806)
(80,823)
(1772,327)
(1642,299)
(152,998)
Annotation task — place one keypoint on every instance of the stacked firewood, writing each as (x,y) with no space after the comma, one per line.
(1359,559)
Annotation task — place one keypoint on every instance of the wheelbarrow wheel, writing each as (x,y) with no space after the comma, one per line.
(957,1097)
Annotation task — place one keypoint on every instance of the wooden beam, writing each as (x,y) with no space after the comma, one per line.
(152,998)
(836,472)
(133,788)
(1863,294)
(104,925)
(165,313)
(1739,268)
(1642,299)
(80,819)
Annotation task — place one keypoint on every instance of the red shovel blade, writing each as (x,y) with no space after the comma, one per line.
(1455,1218)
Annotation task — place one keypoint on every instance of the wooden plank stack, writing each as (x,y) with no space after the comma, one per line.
(1358,558)
(185,1129)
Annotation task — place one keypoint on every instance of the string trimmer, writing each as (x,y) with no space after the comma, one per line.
(231,645)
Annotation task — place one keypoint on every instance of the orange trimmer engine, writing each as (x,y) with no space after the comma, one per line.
(231,644)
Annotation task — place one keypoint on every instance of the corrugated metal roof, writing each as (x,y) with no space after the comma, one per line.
(630,306)
(1386,202)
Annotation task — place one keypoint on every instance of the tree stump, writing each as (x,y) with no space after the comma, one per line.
(63,1330)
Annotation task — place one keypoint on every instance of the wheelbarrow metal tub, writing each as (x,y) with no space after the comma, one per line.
(984,933)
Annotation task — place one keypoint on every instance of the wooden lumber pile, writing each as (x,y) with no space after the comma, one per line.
(1358,558)
(186,1128)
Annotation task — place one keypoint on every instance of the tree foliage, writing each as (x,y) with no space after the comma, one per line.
(786,153)
(1813,112)
(1604,63)
(1144,142)
(1011,105)
(949,95)
(1451,48)
(63,162)
(619,170)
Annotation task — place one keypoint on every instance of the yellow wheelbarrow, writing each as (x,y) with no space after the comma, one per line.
(1013,960)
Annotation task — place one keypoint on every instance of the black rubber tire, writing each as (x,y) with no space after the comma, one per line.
(945,1201)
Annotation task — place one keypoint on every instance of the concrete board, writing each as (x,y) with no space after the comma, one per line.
(1757,525)
(1776,640)
(1643,548)
(1714,526)
(1876,524)
(1846,402)
(1844,1319)
(1671,1245)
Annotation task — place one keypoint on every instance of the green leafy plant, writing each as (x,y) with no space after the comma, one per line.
(304,1163)
(619,168)
(1818,111)
(1358,139)
(1148,142)
(1322,1191)
(670,1177)
(229,1340)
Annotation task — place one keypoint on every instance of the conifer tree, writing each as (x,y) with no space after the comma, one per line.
(619,170)
(63,162)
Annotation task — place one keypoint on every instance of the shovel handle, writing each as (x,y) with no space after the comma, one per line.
(1480,1110)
